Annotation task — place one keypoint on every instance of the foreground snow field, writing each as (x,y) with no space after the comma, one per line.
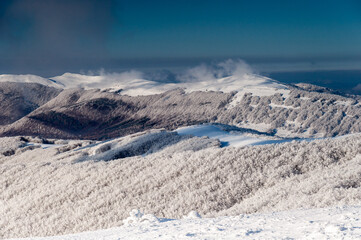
(327,223)
(57,187)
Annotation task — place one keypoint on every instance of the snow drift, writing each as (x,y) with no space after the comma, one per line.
(329,223)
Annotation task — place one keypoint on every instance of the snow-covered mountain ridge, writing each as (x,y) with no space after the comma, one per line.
(246,101)
(137,86)
(28,78)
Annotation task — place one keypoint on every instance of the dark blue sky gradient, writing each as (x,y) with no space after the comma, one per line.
(238,28)
(49,37)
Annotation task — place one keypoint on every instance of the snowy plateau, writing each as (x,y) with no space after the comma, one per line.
(118,156)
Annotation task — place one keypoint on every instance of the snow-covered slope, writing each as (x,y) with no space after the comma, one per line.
(78,186)
(97,114)
(258,85)
(132,84)
(328,223)
(231,136)
(28,78)
(133,103)
(19,99)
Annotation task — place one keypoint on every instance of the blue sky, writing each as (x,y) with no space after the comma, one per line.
(72,35)
(239,28)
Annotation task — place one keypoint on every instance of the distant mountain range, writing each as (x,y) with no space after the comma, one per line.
(78,106)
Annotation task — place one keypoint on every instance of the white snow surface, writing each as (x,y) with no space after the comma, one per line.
(324,223)
(133,84)
(86,185)
(228,138)
(258,85)
(28,78)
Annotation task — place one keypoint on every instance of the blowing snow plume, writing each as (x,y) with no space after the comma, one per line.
(203,72)
(226,76)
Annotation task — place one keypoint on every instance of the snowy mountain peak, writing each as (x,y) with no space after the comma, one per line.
(135,85)
(28,78)
(132,83)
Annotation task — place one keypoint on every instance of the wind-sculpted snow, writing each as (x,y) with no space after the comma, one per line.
(142,144)
(79,185)
(231,136)
(329,223)
(9,145)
